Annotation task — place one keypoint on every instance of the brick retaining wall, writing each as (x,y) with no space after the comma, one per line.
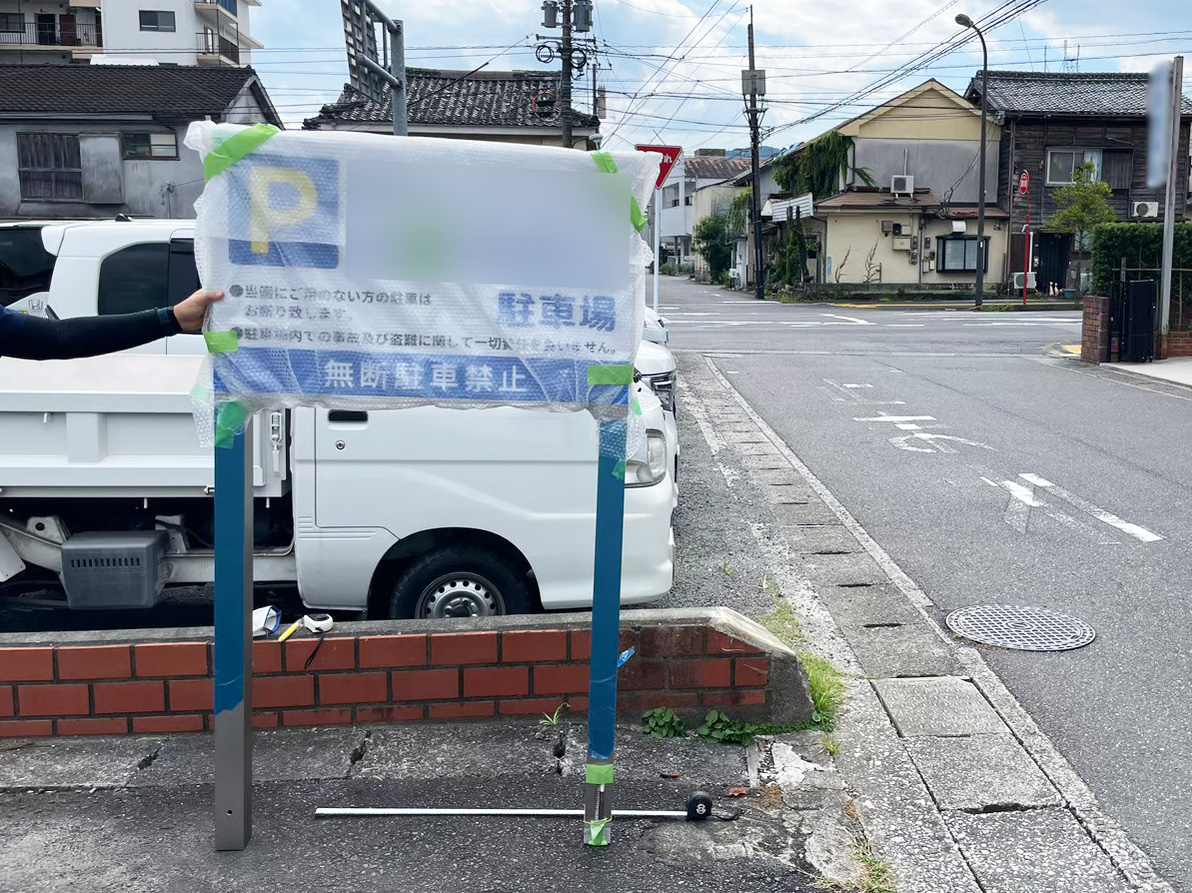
(1095,345)
(688,660)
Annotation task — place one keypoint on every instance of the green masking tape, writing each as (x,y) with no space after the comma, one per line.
(201,394)
(598,832)
(222,342)
(637,407)
(598,375)
(230,419)
(619,471)
(235,147)
(599,773)
(606,165)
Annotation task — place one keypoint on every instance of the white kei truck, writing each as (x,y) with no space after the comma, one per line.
(423,512)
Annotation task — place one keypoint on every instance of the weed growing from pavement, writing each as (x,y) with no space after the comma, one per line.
(784,623)
(727,569)
(873,875)
(721,729)
(662,722)
(828,691)
(831,745)
(553,719)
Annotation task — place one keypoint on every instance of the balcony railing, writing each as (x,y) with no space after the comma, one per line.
(217,45)
(230,6)
(52,35)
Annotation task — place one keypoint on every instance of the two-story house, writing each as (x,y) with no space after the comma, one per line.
(101,140)
(1051,124)
(678,214)
(902,211)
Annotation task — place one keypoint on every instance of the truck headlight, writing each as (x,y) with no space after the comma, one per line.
(647,470)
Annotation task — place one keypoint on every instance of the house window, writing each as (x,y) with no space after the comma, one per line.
(687,200)
(229,5)
(958,254)
(156,20)
(12,23)
(50,167)
(150,145)
(1062,162)
(134,278)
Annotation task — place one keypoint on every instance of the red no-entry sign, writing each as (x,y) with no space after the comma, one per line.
(670,154)
(1024,183)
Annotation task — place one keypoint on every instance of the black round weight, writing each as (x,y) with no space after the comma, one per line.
(699,807)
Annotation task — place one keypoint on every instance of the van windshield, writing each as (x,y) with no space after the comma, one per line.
(25,265)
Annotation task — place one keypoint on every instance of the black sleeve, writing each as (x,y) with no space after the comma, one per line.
(34,338)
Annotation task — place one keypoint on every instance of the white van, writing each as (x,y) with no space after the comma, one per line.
(422,512)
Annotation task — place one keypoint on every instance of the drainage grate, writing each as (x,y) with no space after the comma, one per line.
(1021,628)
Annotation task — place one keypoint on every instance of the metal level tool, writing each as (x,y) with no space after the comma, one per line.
(699,809)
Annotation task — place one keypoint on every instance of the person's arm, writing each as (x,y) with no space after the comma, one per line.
(34,338)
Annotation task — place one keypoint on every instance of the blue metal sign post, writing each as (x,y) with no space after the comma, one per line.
(606,633)
(233,642)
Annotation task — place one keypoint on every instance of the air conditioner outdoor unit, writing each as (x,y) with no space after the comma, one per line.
(902,184)
(1030,281)
(1146,209)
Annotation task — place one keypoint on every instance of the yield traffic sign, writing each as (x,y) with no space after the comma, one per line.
(670,154)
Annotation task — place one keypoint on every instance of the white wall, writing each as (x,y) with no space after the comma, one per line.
(122,30)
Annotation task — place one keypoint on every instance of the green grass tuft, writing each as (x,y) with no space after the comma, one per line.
(784,623)
(828,691)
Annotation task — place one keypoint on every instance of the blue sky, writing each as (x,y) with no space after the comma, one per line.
(816,53)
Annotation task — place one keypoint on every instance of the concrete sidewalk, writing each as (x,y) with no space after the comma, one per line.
(137,813)
(1176,370)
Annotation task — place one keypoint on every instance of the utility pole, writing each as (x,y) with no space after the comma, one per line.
(565,82)
(753,85)
(576,19)
(1169,198)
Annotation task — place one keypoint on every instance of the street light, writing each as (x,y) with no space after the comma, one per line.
(965,22)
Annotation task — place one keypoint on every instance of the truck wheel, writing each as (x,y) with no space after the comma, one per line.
(460,581)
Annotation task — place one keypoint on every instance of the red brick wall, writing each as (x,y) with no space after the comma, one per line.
(1179,344)
(159,687)
(1094,342)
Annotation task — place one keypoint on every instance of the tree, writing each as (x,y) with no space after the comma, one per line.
(715,236)
(1082,206)
(819,167)
(711,242)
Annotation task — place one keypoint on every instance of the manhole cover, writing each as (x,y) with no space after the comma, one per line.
(1022,628)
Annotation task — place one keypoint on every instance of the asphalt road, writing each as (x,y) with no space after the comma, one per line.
(995,472)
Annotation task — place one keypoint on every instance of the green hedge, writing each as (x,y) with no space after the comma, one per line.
(1141,244)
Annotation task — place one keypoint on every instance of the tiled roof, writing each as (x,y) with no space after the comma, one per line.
(460,99)
(1114,94)
(872,200)
(715,167)
(173,91)
(924,199)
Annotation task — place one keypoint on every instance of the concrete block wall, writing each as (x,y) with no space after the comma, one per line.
(131,683)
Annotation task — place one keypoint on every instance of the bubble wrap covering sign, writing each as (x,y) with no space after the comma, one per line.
(368,271)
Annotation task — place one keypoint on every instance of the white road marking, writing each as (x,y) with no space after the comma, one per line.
(993,484)
(941,442)
(1023,499)
(1138,532)
(856,385)
(852,319)
(908,426)
(849,392)
(895,418)
(1023,494)
(906,325)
